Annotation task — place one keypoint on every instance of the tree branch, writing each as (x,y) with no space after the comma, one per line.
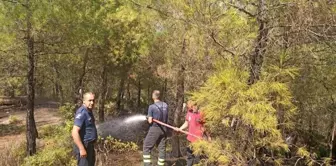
(150,7)
(166,14)
(56,52)
(10,1)
(297,161)
(242,10)
(319,34)
(214,39)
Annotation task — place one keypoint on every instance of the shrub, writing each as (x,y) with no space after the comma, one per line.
(10,129)
(254,111)
(49,131)
(56,150)
(112,145)
(67,111)
(51,156)
(13,119)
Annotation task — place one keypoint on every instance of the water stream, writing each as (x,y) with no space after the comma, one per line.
(128,128)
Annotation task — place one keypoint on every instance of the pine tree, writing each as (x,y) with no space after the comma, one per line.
(227,99)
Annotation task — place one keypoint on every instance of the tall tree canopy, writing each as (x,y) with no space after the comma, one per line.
(263,71)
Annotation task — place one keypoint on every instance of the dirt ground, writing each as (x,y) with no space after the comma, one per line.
(46,114)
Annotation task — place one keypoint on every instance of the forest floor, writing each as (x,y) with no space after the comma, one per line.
(46,113)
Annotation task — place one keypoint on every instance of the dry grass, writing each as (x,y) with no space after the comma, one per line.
(124,159)
(13,154)
(14,120)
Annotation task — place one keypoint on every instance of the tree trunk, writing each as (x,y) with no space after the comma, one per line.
(149,97)
(139,94)
(164,90)
(79,84)
(333,134)
(120,94)
(258,56)
(58,87)
(128,96)
(103,91)
(30,121)
(256,60)
(333,146)
(176,151)
(280,109)
(11,92)
(310,130)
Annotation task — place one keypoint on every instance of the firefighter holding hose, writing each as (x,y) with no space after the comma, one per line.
(157,132)
(194,121)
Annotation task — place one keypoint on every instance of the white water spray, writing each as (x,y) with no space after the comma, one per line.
(135,118)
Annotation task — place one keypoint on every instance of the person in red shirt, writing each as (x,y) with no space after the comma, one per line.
(194,121)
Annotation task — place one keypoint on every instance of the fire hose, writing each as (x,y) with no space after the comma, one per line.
(175,128)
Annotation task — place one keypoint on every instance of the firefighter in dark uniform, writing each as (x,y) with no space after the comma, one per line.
(84,132)
(156,133)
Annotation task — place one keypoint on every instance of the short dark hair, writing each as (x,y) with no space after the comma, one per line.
(156,94)
(86,94)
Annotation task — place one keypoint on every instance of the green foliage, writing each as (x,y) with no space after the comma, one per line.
(49,131)
(226,94)
(67,111)
(75,39)
(303,152)
(214,150)
(51,156)
(9,129)
(56,149)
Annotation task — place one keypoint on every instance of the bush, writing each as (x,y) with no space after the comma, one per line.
(56,150)
(51,156)
(13,119)
(10,129)
(67,111)
(112,145)
(110,109)
(49,131)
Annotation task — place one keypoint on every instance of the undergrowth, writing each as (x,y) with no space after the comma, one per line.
(55,146)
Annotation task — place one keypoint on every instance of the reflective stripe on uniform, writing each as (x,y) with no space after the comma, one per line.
(161,161)
(146,156)
(147,161)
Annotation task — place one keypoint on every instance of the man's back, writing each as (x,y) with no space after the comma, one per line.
(159,111)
